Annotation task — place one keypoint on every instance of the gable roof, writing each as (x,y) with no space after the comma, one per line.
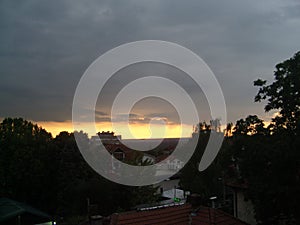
(181,214)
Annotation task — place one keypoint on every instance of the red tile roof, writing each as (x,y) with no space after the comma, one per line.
(178,214)
(209,216)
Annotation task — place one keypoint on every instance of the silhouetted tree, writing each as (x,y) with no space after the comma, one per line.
(269,158)
(283,95)
(28,163)
(205,183)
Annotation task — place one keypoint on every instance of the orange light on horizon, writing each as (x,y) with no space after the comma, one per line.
(56,127)
(136,131)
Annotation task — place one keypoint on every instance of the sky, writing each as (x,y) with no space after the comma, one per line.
(46,46)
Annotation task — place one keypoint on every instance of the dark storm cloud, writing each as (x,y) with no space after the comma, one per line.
(100,113)
(157,118)
(45,46)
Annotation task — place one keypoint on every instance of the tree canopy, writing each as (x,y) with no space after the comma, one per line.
(265,159)
(269,157)
(51,174)
(283,94)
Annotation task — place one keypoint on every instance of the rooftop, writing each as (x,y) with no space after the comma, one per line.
(177,213)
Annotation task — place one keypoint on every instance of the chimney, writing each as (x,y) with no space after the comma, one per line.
(213,203)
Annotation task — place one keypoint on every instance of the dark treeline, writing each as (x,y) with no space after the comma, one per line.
(51,174)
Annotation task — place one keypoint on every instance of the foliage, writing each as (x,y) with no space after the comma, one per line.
(250,126)
(27,163)
(268,159)
(269,166)
(51,174)
(207,183)
(283,94)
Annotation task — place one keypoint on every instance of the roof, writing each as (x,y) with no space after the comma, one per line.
(181,214)
(208,216)
(10,209)
(177,214)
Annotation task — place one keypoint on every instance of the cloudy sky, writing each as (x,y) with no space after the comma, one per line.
(45,47)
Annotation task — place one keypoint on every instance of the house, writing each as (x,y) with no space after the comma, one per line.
(105,138)
(176,194)
(243,208)
(168,166)
(109,137)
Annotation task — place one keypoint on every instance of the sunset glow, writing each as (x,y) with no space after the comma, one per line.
(138,131)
